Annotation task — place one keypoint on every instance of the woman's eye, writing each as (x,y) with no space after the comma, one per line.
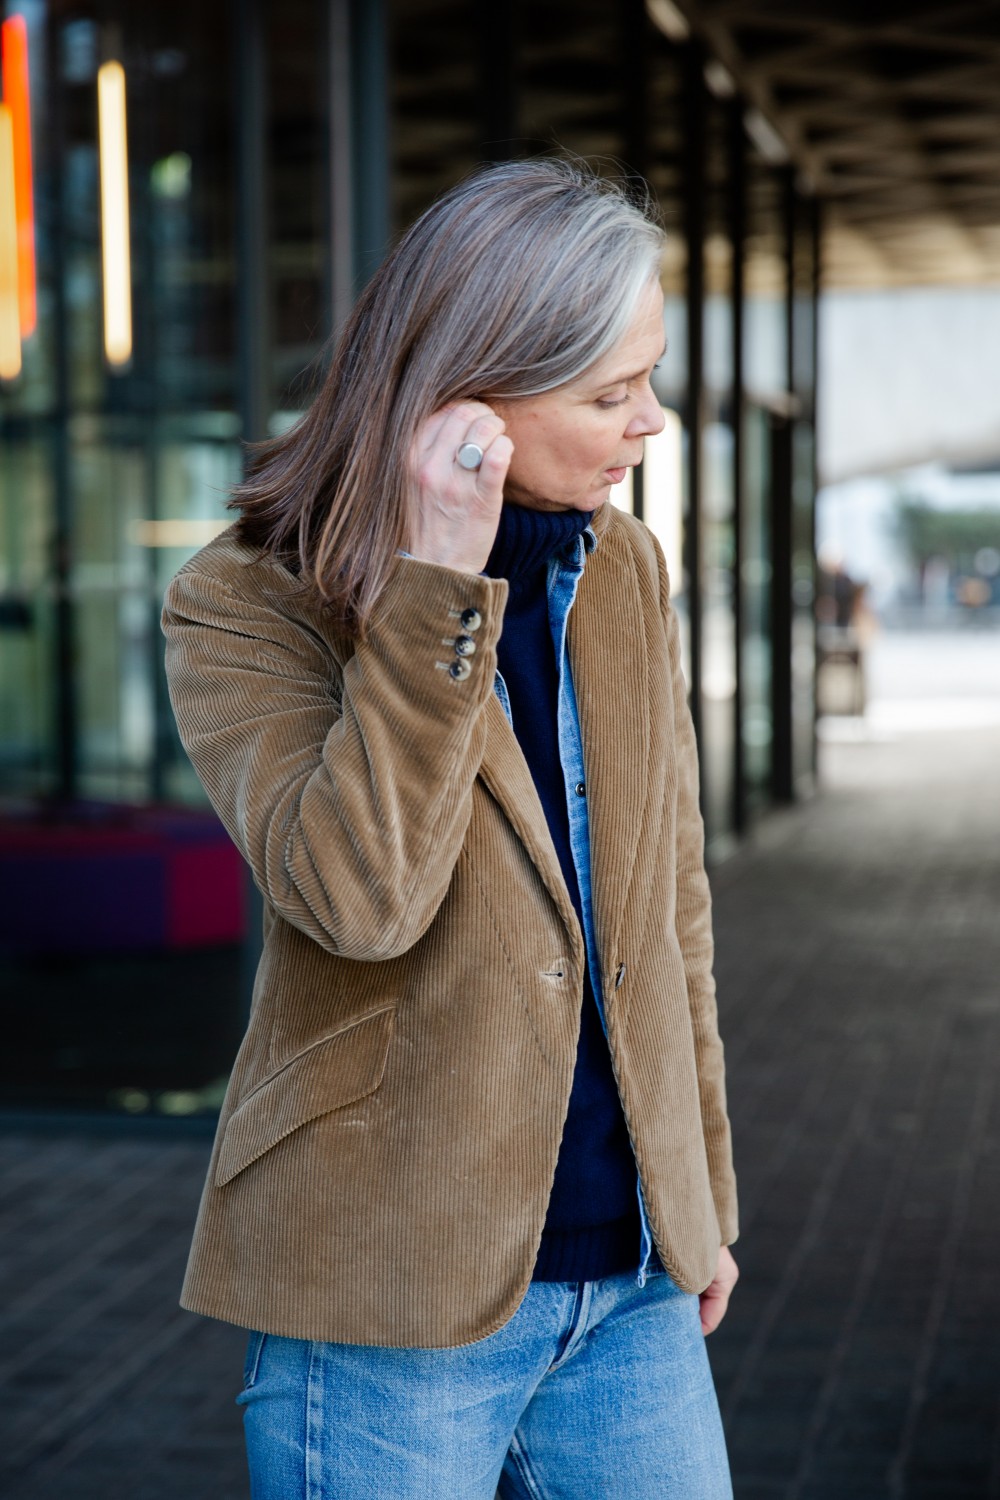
(606,402)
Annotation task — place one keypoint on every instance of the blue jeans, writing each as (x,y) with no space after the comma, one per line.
(594,1390)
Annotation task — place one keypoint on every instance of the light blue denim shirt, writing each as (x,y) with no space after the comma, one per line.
(564,574)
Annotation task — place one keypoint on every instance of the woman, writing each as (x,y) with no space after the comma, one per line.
(472,1182)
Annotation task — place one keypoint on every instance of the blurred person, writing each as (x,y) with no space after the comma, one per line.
(472,1187)
(838,595)
(846,628)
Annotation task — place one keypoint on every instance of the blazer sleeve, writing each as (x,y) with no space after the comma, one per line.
(348,790)
(694,932)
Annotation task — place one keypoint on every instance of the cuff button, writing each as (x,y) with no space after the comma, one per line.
(471,619)
(459,670)
(465,645)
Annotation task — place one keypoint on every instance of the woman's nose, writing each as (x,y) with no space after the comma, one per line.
(648,418)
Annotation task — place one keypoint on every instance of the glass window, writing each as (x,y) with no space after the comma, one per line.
(803,468)
(664,472)
(718,536)
(435,101)
(119,479)
(756,713)
(298,218)
(765,344)
(568,86)
(120,446)
(764,308)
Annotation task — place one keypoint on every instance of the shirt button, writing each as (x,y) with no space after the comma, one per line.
(459,670)
(471,619)
(580,789)
(465,645)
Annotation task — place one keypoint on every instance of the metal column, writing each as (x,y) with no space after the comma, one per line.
(497,66)
(253,305)
(737,163)
(66,706)
(635,43)
(694,111)
(782,772)
(369,137)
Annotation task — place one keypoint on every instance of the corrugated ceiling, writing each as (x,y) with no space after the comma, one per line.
(893,112)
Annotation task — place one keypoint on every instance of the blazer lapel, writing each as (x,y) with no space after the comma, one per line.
(506,774)
(608,658)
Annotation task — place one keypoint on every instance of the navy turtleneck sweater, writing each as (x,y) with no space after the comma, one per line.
(592,1226)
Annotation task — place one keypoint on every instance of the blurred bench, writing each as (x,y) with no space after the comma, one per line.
(105,878)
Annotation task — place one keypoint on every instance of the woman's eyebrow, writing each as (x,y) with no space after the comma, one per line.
(617,379)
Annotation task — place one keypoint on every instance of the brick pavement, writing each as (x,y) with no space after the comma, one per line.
(858,965)
(861,1358)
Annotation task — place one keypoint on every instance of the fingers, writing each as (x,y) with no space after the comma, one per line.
(429,431)
(443,433)
(441,436)
(458,509)
(714,1300)
(483,430)
(713,1309)
(442,480)
(496,461)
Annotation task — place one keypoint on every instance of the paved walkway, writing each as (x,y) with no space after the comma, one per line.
(860,969)
(860,982)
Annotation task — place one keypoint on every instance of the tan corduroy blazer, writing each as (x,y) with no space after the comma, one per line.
(387,1146)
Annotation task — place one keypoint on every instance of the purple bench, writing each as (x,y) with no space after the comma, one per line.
(103,878)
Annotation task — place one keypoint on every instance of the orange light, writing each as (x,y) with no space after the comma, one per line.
(10,321)
(17,97)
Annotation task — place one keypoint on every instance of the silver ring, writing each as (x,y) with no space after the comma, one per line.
(469,456)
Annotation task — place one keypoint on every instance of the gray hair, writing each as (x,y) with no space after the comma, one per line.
(514,282)
(529,272)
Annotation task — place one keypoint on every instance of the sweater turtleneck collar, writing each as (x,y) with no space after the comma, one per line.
(526,539)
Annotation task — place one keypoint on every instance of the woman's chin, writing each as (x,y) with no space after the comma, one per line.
(574,502)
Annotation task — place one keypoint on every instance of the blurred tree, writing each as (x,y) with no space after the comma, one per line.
(954,535)
(965,541)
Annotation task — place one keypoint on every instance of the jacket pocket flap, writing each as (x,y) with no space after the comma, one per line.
(333,1072)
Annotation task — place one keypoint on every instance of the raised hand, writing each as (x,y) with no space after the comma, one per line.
(458,509)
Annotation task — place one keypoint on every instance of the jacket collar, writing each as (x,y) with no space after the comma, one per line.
(607,651)
(609,659)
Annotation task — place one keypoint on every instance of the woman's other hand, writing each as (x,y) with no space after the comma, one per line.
(458,510)
(715,1298)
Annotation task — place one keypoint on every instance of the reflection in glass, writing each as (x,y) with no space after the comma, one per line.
(765,341)
(663,490)
(111,475)
(665,497)
(757,720)
(10,314)
(718,499)
(804,273)
(116,250)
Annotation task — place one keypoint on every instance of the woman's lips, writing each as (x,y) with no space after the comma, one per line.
(616,475)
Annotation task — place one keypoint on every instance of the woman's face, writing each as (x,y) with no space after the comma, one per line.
(573,443)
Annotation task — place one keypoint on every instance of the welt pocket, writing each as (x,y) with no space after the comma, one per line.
(332,1072)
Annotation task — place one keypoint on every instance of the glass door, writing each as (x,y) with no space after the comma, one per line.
(756,714)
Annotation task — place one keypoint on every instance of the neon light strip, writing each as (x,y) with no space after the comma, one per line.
(10,317)
(115,252)
(17,94)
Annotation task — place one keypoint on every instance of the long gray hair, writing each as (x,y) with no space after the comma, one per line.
(512,283)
